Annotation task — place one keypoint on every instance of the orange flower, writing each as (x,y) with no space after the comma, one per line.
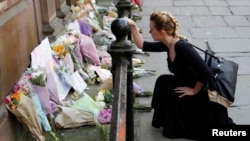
(59,50)
(15,98)
(17,95)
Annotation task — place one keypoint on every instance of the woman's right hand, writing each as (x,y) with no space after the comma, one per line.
(135,33)
(130,21)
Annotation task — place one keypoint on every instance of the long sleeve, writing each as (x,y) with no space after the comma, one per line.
(154,47)
(194,61)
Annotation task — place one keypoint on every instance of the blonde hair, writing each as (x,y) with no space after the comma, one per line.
(166,21)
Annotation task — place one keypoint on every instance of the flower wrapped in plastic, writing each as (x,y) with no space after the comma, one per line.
(103,38)
(67,117)
(43,118)
(137,3)
(137,62)
(36,76)
(59,50)
(138,72)
(63,71)
(103,120)
(85,103)
(140,92)
(85,28)
(40,96)
(20,103)
(97,74)
(88,49)
(104,98)
(107,85)
(105,58)
(69,41)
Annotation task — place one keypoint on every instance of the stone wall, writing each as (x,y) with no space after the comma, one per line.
(21,30)
(17,39)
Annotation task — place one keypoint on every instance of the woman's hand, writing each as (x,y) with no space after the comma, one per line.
(136,35)
(130,21)
(184,91)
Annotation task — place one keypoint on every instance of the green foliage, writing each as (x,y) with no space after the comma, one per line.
(38,80)
(108,97)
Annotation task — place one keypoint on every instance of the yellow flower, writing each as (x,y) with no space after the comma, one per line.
(59,50)
(15,98)
(17,95)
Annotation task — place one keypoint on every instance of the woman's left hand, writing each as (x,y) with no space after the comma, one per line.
(184,91)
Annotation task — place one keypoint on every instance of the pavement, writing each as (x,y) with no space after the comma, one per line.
(226,26)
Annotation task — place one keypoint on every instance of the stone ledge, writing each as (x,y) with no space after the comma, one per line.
(5,4)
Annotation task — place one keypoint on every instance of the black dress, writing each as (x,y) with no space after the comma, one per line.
(189,116)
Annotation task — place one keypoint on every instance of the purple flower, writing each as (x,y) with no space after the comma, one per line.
(137,88)
(85,28)
(104,116)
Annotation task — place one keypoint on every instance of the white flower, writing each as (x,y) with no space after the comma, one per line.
(100,96)
(101,104)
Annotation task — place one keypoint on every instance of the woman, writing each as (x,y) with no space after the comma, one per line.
(180,102)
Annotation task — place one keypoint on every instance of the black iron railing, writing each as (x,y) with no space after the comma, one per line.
(121,51)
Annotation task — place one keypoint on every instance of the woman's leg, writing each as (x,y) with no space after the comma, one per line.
(163,99)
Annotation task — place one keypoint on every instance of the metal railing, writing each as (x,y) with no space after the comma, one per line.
(121,51)
(119,111)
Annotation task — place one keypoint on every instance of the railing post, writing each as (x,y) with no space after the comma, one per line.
(124,8)
(122,49)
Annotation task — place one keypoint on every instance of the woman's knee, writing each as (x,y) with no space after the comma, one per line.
(164,78)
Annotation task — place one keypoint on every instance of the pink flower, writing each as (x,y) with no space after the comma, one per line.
(104,116)
(7,100)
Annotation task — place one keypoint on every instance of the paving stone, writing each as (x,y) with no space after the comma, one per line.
(238,3)
(216,3)
(209,21)
(156,3)
(240,114)
(194,11)
(213,33)
(244,63)
(219,10)
(236,20)
(243,32)
(185,21)
(240,10)
(230,45)
(189,3)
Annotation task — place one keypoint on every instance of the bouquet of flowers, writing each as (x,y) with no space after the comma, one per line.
(138,73)
(103,123)
(97,74)
(20,103)
(20,89)
(36,76)
(140,92)
(41,98)
(137,62)
(63,71)
(137,4)
(85,103)
(59,50)
(104,98)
